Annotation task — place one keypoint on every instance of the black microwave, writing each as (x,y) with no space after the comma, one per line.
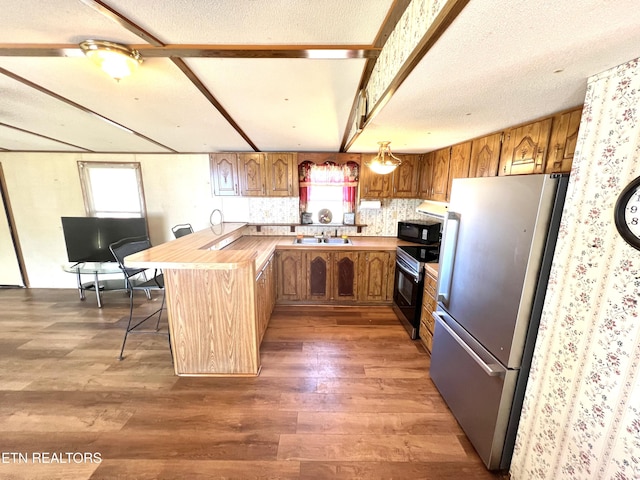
(420,231)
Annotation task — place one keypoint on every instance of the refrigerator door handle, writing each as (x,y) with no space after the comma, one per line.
(488,369)
(449,243)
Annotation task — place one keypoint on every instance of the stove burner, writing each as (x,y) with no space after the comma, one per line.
(422,254)
(413,258)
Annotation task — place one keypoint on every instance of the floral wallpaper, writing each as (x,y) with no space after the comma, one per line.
(380,222)
(412,26)
(581,415)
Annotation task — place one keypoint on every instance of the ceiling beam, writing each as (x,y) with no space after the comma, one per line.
(202,51)
(156,44)
(447,15)
(44,136)
(393,15)
(82,108)
(107,11)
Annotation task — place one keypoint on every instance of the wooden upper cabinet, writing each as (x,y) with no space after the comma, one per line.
(562,145)
(224,173)
(282,175)
(251,169)
(459,163)
(406,178)
(485,156)
(524,148)
(440,174)
(426,170)
(373,185)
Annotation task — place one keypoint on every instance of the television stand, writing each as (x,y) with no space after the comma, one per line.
(95,269)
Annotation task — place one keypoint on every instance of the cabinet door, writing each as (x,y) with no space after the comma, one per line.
(426,170)
(459,163)
(485,156)
(271,284)
(562,146)
(345,276)
(282,178)
(406,177)
(252,174)
(289,276)
(224,173)
(374,185)
(318,275)
(524,149)
(428,307)
(440,175)
(262,312)
(375,272)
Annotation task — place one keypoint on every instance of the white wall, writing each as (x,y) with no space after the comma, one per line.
(46,186)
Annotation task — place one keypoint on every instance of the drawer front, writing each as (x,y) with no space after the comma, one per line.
(429,321)
(428,302)
(426,337)
(430,285)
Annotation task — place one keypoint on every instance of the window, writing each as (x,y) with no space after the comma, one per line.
(112,189)
(328,186)
(329,197)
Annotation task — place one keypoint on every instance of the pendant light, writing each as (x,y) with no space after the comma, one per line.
(385,162)
(115,59)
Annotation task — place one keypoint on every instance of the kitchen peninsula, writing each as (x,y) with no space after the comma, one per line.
(212,294)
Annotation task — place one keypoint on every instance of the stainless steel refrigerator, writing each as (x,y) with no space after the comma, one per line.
(495,258)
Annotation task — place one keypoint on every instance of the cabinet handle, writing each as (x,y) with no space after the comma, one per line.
(235,188)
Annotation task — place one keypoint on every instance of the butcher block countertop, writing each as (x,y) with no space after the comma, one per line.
(227,247)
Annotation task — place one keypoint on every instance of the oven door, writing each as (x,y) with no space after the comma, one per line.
(407,298)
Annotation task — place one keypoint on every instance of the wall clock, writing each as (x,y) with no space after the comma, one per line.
(627,213)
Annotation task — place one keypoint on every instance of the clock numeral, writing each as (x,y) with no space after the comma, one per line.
(634,221)
(633,209)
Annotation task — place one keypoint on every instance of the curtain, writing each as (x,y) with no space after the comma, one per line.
(326,174)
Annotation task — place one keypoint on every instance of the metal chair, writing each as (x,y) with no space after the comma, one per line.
(182,229)
(136,280)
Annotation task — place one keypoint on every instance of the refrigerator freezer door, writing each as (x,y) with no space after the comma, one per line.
(477,389)
(492,259)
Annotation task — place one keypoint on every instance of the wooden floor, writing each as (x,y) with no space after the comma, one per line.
(343,394)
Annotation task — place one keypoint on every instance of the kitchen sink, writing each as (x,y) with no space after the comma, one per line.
(322,241)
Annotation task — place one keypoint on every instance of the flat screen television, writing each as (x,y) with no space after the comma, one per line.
(88,238)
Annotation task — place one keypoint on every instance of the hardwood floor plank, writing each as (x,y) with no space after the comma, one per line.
(377,423)
(343,393)
(394,470)
(370,448)
(197,470)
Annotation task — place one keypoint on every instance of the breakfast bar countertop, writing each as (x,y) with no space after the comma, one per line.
(227,246)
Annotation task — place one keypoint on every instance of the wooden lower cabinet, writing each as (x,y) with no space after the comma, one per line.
(331,276)
(318,275)
(345,276)
(265,297)
(289,275)
(335,277)
(429,304)
(376,274)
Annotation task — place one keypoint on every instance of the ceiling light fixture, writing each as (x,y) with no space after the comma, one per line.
(115,59)
(385,162)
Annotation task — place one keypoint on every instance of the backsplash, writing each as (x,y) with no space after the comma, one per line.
(380,222)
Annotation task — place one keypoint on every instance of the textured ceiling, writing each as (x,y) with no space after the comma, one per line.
(498,64)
